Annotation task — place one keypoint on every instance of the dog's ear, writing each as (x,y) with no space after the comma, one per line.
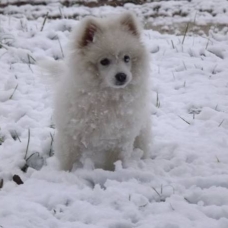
(129,21)
(90,28)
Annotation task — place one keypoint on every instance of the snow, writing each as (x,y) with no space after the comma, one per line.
(184,184)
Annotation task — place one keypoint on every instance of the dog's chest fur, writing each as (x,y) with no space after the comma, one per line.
(105,118)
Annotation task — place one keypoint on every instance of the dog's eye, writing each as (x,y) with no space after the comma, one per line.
(126,58)
(105,62)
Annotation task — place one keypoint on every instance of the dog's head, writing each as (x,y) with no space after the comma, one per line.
(110,48)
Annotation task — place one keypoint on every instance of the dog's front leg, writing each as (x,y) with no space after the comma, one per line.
(122,152)
(67,152)
(143,141)
(126,151)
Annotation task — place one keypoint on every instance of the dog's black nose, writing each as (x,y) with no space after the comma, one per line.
(121,78)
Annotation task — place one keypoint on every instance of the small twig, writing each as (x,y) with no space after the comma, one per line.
(159,69)
(208,40)
(213,71)
(2,138)
(187,200)
(144,205)
(171,206)
(61,13)
(3,54)
(169,185)
(217,159)
(52,139)
(186,30)
(32,58)
(173,75)
(184,120)
(2,45)
(221,123)
(13,92)
(1,183)
(172,44)
(26,152)
(195,18)
(156,192)
(184,65)
(158,102)
(17,136)
(31,155)
(60,46)
(45,18)
(194,115)
(29,63)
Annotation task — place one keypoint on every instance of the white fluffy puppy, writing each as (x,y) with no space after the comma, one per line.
(101,105)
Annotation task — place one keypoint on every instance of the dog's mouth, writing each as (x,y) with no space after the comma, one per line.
(120,83)
(120,86)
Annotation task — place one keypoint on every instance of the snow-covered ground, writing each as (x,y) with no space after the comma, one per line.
(183,185)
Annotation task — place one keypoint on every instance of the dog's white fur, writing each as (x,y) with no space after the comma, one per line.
(94,117)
